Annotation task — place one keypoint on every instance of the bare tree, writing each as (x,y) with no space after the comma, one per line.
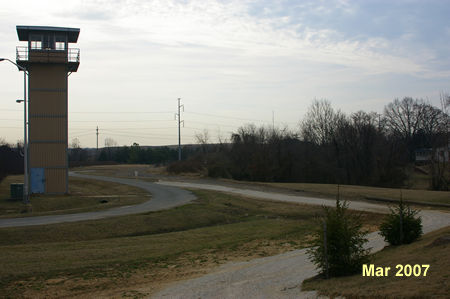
(404,117)
(11,160)
(75,143)
(203,140)
(320,122)
(445,102)
(109,142)
(440,166)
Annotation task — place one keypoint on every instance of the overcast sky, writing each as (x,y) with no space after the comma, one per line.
(231,62)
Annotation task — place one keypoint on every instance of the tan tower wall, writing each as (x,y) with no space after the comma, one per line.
(48,122)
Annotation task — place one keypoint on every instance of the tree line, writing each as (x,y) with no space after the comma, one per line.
(11,159)
(134,154)
(362,148)
(329,146)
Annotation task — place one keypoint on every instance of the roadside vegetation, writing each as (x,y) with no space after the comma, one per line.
(362,148)
(432,249)
(152,248)
(84,195)
(11,159)
(366,192)
(402,225)
(143,171)
(337,247)
(349,192)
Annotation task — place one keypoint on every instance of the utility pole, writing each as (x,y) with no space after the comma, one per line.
(273,121)
(178,116)
(97,138)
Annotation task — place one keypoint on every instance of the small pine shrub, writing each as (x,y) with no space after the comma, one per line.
(345,243)
(401,226)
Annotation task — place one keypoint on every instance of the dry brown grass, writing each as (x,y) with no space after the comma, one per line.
(361,192)
(432,249)
(140,253)
(122,170)
(84,195)
(328,190)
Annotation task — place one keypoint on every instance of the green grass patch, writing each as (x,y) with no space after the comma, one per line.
(433,249)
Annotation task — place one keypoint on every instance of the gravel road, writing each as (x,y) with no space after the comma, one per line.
(163,197)
(277,276)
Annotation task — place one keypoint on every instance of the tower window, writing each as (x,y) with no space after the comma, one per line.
(60,46)
(36,44)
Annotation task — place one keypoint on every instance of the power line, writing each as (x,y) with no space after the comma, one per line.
(223,116)
(132,132)
(159,112)
(122,112)
(214,124)
(142,137)
(119,128)
(104,112)
(238,118)
(137,128)
(179,128)
(80,131)
(120,121)
(80,134)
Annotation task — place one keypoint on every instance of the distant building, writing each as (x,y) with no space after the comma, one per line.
(49,61)
(424,155)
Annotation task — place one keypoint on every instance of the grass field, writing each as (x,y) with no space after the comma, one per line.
(103,256)
(122,170)
(433,249)
(361,192)
(84,195)
(349,192)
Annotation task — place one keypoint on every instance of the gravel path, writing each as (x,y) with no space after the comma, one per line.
(163,197)
(277,276)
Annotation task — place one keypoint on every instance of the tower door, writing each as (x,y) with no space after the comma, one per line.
(37,180)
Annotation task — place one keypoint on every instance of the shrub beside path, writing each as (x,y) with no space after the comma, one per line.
(278,276)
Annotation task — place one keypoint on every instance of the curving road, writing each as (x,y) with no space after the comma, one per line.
(278,276)
(431,220)
(163,197)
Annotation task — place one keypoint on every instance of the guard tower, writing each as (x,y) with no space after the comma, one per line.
(49,62)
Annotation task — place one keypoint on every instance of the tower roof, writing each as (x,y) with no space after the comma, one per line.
(24,31)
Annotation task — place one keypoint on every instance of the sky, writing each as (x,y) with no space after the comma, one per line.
(231,62)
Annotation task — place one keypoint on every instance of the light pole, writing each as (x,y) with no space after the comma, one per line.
(25,137)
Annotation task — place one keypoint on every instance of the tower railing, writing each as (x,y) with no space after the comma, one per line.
(22,53)
(73,55)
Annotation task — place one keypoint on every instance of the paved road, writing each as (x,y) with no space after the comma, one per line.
(163,197)
(431,220)
(277,276)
